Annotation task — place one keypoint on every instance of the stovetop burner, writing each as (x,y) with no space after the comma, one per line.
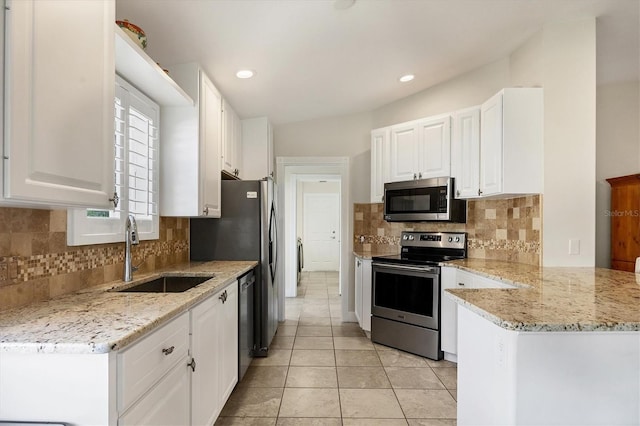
(428,248)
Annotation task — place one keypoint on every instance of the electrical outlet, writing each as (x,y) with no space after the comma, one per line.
(3,271)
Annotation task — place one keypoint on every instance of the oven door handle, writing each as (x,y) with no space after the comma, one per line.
(406,268)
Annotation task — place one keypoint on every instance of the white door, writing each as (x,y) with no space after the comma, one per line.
(321,232)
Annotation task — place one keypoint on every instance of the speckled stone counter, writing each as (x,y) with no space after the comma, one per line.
(553,299)
(100,320)
(368,254)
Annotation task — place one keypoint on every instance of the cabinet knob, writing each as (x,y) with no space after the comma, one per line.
(458,193)
(205,211)
(461,284)
(168,351)
(192,364)
(415,176)
(479,192)
(420,175)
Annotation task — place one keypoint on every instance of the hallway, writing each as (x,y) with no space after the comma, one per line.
(321,371)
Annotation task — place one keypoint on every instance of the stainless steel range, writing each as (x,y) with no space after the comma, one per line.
(406,291)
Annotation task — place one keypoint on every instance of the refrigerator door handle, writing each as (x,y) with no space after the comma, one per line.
(273,238)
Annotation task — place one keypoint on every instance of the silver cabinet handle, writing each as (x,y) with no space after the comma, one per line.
(168,351)
(457,193)
(461,284)
(192,364)
(415,176)
(420,175)
(205,211)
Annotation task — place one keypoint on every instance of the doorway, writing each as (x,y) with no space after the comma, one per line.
(290,172)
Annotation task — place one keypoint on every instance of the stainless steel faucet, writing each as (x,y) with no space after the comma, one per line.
(131,238)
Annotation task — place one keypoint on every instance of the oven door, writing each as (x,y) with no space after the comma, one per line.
(409,294)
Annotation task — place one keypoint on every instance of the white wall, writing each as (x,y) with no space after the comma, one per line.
(569,75)
(346,136)
(617,152)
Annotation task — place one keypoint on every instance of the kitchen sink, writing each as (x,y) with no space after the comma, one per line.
(167,284)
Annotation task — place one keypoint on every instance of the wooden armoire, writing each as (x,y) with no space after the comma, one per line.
(625,221)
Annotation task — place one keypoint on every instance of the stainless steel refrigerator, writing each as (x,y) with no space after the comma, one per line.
(246,230)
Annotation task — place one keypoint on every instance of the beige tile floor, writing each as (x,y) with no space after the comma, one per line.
(321,371)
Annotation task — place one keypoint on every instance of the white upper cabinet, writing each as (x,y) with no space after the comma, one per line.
(403,148)
(434,147)
(232,140)
(421,149)
(58,102)
(511,141)
(257,148)
(379,163)
(465,149)
(191,148)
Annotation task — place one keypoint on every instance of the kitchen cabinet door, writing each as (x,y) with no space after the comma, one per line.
(166,404)
(206,377)
(358,288)
(214,347)
(403,152)
(228,323)
(434,147)
(448,314)
(379,163)
(232,140)
(59,90)
(210,125)
(491,146)
(190,158)
(465,152)
(363,292)
(257,149)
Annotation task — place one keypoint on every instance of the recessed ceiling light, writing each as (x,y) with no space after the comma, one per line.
(407,77)
(245,74)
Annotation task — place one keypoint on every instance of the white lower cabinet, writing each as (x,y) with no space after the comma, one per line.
(166,404)
(214,347)
(456,278)
(363,292)
(180,374)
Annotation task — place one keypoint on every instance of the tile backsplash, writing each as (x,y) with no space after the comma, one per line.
(504,229)
(36,263)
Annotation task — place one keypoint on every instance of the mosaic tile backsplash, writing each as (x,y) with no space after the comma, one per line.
(505,229)
(36,263)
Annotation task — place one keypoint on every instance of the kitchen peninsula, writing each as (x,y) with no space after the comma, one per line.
(563,347)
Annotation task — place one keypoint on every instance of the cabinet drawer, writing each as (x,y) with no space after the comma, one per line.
(166,404)
(144,363)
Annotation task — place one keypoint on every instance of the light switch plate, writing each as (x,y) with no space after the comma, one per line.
(574,247)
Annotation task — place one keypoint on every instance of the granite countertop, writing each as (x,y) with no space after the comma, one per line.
(368,254)
(553,298)
(98,320)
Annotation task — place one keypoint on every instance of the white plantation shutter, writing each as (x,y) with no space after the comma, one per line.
(136,169)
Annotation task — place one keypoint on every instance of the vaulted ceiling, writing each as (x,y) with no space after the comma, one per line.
(313,59)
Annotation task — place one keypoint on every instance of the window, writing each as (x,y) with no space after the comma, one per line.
(136,174)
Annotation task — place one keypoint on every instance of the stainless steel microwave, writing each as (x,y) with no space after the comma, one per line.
(423,200)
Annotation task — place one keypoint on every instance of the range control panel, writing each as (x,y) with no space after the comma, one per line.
(454,240)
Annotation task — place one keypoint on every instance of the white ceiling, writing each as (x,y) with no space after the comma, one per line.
(313,60)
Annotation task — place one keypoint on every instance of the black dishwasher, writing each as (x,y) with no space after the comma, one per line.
(246,338)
